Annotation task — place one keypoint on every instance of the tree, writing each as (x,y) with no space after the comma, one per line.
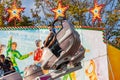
(26,21)
(78,10)
(79,15)
(1,16)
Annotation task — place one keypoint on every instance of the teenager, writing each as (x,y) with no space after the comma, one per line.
(52,43)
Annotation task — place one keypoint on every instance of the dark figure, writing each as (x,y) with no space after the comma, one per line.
(51,37)
(52,43)
(6,65)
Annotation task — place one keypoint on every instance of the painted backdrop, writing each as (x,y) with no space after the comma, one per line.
(94,64)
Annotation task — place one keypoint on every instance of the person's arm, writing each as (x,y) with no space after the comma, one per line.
(21,57)
(46,41)
(9,42)
(53,40)
(9,45)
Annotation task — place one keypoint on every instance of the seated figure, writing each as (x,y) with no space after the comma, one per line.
(6,66)
(52,43)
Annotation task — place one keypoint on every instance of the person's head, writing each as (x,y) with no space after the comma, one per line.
(50,27)
(2,58)
(14,45)
(2,48)
(38,43)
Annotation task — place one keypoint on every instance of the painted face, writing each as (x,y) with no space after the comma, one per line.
(14,47)
(2,49)
(1,60)
(39,44)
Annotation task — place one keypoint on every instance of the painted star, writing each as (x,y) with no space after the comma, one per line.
(60,10)
(96,10)
(14,12)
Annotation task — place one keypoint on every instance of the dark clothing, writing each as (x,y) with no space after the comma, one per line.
(52,34)
(6,66)
(54,47)
(54,30)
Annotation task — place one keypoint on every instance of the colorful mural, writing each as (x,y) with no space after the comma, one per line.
(94,65)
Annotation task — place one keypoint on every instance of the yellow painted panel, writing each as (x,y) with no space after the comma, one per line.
(114,65)
(73,75)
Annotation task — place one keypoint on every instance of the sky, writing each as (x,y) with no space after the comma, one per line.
(28,4)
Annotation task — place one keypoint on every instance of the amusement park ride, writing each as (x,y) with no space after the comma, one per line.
(71,52)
